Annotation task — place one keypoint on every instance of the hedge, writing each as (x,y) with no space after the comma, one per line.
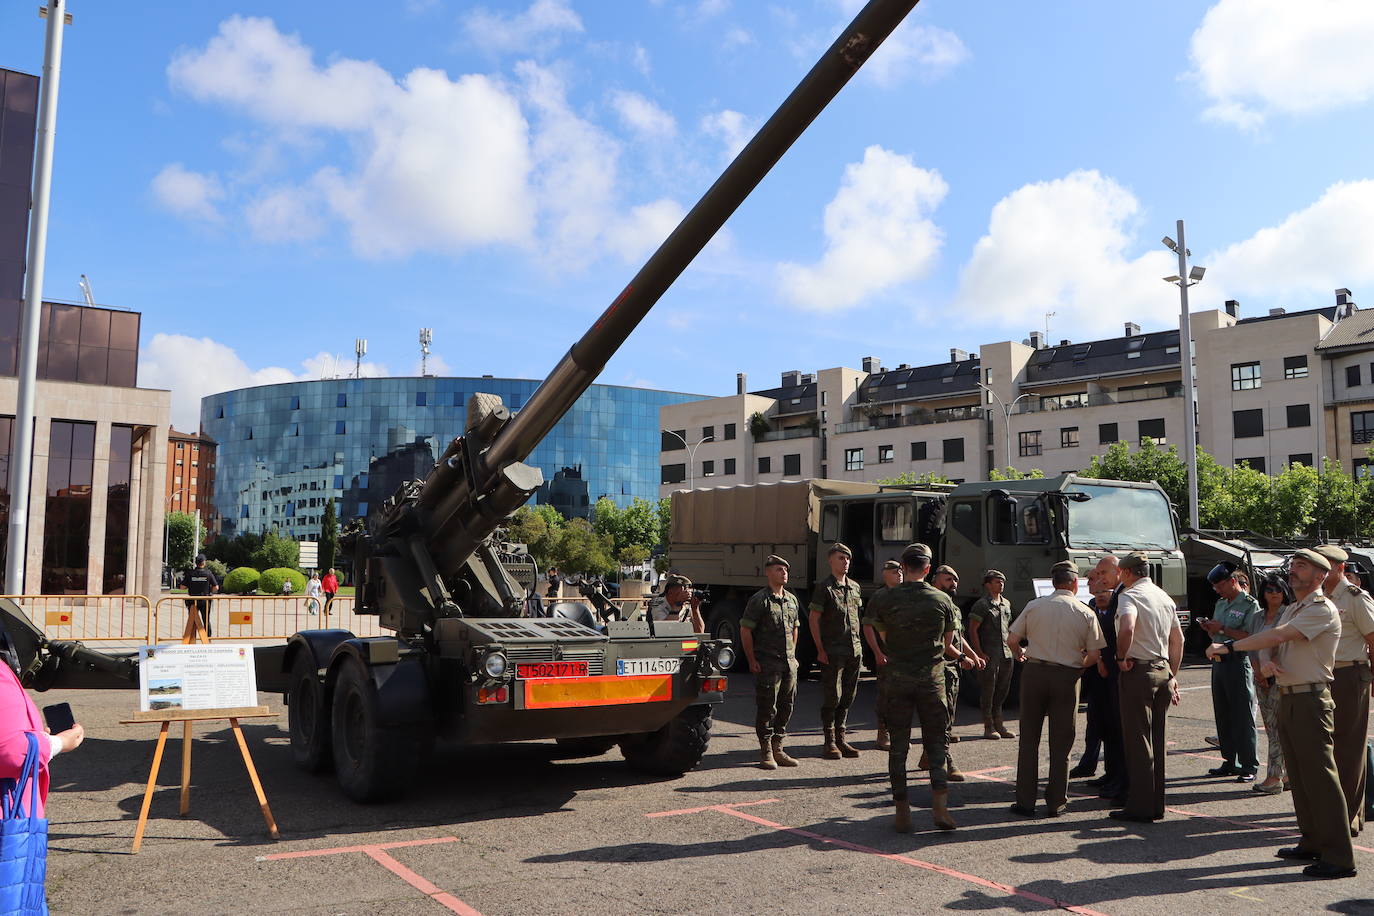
(241,581)
(273,579)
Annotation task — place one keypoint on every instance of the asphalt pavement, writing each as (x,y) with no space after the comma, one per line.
(521,829)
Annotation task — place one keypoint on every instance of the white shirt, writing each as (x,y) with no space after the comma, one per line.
(1155,615)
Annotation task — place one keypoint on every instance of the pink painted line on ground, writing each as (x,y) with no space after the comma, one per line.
(307,853)
(422,885)
(721,807)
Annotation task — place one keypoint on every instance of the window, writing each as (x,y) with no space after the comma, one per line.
(729,469)
(1151,429)
(894,522)
(1247,424)
(1352,376)
(1362,427)
(791,465)
(823,398)
(248,433)
(708,432)
(884,454)
(458,399)
(1299,415)
(1304,458)
(422,399)
(219,413)
(1295,366)
(953,450)
(341,400)
(967,521)
(1245,376)
(295,403)
(1255,464)
(672,440)
(340,427)
(918,451)
(1062,401)
(1068,437)
(673,473)
(853,459)
(708,469)
(1107,434)
(1360,467)
(729,431)
(1028,444)
(765,465)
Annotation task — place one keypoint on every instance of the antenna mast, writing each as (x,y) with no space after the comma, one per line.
(360,348)
(426,337)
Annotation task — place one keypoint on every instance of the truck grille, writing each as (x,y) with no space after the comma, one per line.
(595,659)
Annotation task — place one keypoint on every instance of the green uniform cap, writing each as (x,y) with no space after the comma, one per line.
(994,574)
(775,560)
(1313,557)
(946,569)
(1068,565)
(1136,563)
(892,564)
(837,547)
(915,551)
(677,579)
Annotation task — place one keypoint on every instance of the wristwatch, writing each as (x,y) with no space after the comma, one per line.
(1230,645)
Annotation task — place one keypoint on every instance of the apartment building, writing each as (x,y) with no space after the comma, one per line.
(191,475)
(1346,373)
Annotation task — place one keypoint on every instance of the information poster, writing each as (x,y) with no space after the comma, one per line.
(196,677)
(1044,587)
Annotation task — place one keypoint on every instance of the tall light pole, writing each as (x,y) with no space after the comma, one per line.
(1185,278)
(691,454)
(21,462)
(1006,415)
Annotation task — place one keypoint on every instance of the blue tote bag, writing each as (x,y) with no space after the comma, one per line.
(23,842)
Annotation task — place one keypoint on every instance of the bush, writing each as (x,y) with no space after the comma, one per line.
(273,579)
(219,569)
(241,581)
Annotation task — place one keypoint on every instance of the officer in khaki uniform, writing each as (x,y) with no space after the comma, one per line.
(1350,684)
(768,635)
(835,617)
(988,622)
(892,576)
(916,623)
(1301,652)
(1062,639)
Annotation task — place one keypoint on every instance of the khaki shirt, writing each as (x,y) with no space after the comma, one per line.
(1308,660)
(1356,610)
(1155,618)
(991,617)
(1058,628)
(660,609)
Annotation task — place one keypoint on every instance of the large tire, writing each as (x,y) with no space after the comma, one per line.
(307,716)
(372,762)
(675,748)
(593,746)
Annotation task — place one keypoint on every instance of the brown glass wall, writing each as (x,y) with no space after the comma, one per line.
(117,510)
(92,345)
(6,437)
(67,522)
(18,120)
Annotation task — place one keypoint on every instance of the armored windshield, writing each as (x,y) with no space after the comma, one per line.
(1120,518)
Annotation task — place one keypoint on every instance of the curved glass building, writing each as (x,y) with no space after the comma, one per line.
(286,449)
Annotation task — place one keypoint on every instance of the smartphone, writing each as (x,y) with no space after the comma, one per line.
(59,717)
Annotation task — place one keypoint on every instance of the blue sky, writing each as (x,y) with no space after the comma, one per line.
(267,182)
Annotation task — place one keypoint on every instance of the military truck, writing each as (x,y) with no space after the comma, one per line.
(463,661)
(720,536)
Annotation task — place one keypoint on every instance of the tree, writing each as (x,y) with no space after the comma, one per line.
(912,479)
(234,552)
(581,550)
(329,535)
(1342,505)
(181,539)
(1010,473)
(665,523)
(276,552)
(538,528)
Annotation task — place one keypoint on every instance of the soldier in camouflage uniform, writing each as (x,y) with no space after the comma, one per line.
(768,635)
(947,580)
(835,612)
(892,576)
(988,621)
(916,622)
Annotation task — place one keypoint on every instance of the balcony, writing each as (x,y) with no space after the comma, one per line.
(796,432)
(920,418)
(1105,398)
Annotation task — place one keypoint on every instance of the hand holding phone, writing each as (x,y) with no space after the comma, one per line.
(59,717)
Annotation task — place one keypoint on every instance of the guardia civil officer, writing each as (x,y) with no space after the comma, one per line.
(1063,638)
(1149,646)
(835,616)
(1301,652)
(988,621)
(916,623)
(1350,682)
(892,575)
(768,635)
(1237,615)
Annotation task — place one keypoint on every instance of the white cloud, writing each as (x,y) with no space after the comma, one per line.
(538,27)
(878,234)
(731,128)
(188,194)
(736,37)
(925,52)
(643,116)
(436,365)
(639,58)
(1062,246)
(286,215)
(1253,58)
(644,229)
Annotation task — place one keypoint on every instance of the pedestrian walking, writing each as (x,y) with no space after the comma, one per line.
(1062,638)
(330,585)
(835,616)
(988,623)
(1149,645)
(892,576)
(1301,653)
(1233,680)
(959,659)
(1350,683)
(916,623)
(1274,596)
(768,635)
(314,592)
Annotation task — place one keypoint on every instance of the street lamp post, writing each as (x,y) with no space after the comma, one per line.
(1006,416)
(167,528)
(691,454)
(1185,278)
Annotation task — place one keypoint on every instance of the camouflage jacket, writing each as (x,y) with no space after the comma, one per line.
(840,607)
(773,621)
(991,617)
(913,618)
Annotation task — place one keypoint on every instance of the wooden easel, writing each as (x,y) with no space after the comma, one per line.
(195,631)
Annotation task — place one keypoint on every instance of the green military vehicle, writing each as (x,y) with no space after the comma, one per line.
(720,536)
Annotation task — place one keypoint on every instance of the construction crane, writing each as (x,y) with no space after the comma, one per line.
(86,291)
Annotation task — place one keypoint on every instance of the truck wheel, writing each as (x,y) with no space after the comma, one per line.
(593,746)
(307,716)
(371,762)
(675,748)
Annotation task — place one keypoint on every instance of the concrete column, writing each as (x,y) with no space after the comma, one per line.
(100,495)
(152,502)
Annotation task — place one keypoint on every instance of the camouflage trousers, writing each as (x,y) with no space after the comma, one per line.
(952,672)
(922,700)
(882,698)
(840,682)
(775,693)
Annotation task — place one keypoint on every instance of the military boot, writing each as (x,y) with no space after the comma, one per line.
(846,749)
(832,751)
(883,743)
(952,771)
(781,757)
(939,810)
(990,730)
(902,822)
(766,755)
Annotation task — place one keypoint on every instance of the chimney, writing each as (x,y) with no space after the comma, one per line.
(791,377)
(1233,308)
(956,355)
(741,383)
(1343,297)
(870,364)
(1132,329)
(1345,305)
(1274,313)
(808,378)
(1037,340)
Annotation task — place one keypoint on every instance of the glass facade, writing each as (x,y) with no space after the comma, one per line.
(18,121)
(67,526)
(117,510)
(286,449)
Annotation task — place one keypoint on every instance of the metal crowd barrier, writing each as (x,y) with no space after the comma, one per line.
(260,618)
(123,619)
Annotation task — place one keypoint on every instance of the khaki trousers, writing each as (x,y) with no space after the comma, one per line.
(1047,692)
(1349,732)
(1145,699)
(1305,729)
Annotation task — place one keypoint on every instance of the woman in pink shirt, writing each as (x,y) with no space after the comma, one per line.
(19,716)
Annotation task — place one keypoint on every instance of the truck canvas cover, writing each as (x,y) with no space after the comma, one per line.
(788,512)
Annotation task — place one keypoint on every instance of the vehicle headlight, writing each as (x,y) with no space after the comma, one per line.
(494,664)
(725,658)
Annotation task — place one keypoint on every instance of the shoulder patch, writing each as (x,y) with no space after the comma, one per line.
(1354,589)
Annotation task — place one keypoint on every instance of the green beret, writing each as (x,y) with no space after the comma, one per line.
(1136,563)
(994,574)
(775,560)
(837,547)
(946,569)
(1068,565)
(1311,556)
(677,579)
(915,552)
(892,564)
